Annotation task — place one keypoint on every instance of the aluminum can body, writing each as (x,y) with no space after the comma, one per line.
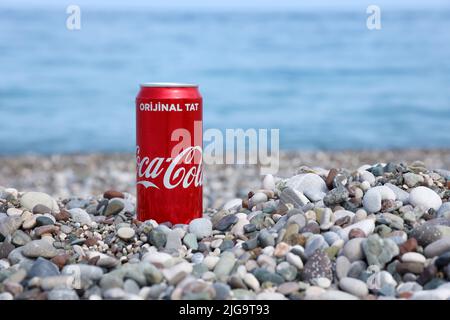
(169,152)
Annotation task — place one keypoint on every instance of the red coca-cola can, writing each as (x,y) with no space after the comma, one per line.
(169,152)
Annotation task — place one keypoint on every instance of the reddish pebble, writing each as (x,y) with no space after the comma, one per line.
(408,246)
(405,295)
(329,180)
(60,260)
(90,241)
(113,194)
(356,233)
(63,215)
(39,231)
(448,184)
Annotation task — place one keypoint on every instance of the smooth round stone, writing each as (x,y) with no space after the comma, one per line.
(30,199)
(81,216)
(367,226)
(356,269)
(413,257)
(331,237)
(173,240)
(270,296)
(379,280)
(114,206)
(222,291)
(126,233)
(310,184)
(321,282)
(444,210)
(43,268)
(190,240)
(20,238)
(225,265)
(342,267)
(41,209)
(412,179)
(379,251)
(197,258)
(353,249)
(177,272)
(265,238)
(226,222)
(62,294)
(409,287)
(298,219)
(295,260)
(157,237)
(29,223)
(211,261)
(6,296)
(354,287)
(248,228)
(85,271)
(314,243)
(14,212)
(288,288)
(437,248)
(201,227)
(367,176)
(44,221)
(157,258)
(251,281)
(336,295)
(317,266)
(425,197)
(39,248)
(287,271)
(373,197)
(400,194)
(258,197)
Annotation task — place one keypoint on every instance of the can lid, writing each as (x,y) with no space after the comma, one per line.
(168,85)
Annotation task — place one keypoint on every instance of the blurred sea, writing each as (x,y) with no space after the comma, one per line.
(322,78)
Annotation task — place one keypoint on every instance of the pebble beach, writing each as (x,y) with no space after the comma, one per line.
(342,225)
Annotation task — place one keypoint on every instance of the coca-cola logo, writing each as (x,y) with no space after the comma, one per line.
(184,170)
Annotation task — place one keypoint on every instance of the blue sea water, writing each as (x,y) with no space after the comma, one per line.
(321,77)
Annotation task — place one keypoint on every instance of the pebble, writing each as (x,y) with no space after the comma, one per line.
(30,199)
(8,225)
(62,294)
(158,238)
(109,194)
(43,268)
(44,221)
(400,194)
(367,226)
(309,184)
(114,206)
(251,281)
(342,267)
(353,249)
(412,179)
(20,238)
(295,260)
(201,227)
(444,210)
(379,251)
(178,272)
(336,295)
(39,248)
(81,216)
(317,266)
(354,287)
(374,196)
(126,233)
(425,197)
(413,257)
(190,240)
(314,243)
(379,280)
(226,222)
(268,182)
(265,238)
(437,248)
(224,265)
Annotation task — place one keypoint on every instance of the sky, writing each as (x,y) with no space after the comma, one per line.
(223,4)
